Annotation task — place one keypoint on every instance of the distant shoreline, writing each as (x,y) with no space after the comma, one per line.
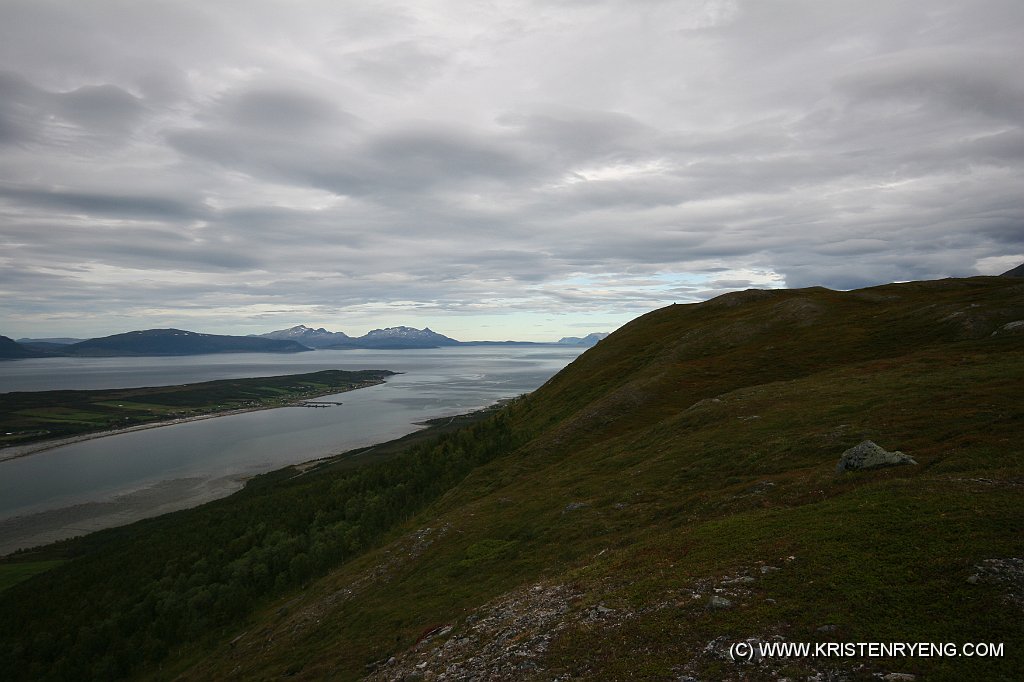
(17,451)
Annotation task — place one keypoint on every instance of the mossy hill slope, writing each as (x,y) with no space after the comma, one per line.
(673,491)
(692,454)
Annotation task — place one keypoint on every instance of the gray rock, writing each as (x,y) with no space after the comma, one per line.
(868,455)
(717,602)
(741,580)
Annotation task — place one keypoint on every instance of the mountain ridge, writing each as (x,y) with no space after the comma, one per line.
(307,336)
(393,338)
(13,350)
(157,342)
(398,337)
(388,337)
(56,341)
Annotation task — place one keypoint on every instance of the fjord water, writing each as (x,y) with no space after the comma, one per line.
(117,479)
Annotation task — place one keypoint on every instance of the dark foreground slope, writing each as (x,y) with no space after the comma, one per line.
(673,492)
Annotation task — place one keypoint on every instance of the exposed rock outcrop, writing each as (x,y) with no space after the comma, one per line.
(868,455)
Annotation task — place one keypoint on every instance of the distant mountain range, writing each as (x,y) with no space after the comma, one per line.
(307,336)
(172,342)
(405,337)
(59,341)
(178,342)
(149,342)
(389,338)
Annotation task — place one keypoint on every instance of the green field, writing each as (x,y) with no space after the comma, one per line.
(27,417)
(13,573)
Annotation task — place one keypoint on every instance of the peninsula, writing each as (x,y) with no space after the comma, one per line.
(50,418)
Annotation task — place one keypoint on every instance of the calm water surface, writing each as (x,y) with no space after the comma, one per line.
(117,479)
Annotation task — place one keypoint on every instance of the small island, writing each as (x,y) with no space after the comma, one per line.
(47,417)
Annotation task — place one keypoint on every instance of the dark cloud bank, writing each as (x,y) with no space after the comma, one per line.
(507,170)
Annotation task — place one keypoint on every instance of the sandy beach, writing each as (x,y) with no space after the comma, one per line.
(16,451)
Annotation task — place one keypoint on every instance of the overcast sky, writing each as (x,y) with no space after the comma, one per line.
(493,169)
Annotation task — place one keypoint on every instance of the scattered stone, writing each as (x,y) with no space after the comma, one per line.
(1015,327)
(760,488)
(868,455)
(716,602)
(740,580)
(718,648)
(1006,573)
(370,667)
(573,506)
(828,627)
(768,569)
(703,403)
(504,640)
(899,677)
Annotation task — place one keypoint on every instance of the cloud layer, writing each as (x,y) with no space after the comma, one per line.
(496,170)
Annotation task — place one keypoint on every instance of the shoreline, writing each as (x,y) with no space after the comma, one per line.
(18,451)
(43,527)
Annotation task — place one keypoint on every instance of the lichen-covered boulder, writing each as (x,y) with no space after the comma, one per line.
(868,455)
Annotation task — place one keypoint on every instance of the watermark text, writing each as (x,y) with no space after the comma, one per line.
(755,650)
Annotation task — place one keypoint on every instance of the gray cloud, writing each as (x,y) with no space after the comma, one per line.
(100,107)
(963,82)
(356,165)
(31,114)
(281,110)
(98,205)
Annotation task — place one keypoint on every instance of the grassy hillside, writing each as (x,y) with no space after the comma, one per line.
(673,491)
